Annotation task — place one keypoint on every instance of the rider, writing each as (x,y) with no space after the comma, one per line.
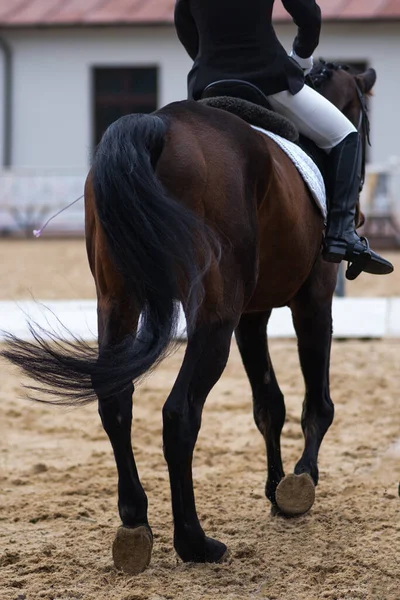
(235,39)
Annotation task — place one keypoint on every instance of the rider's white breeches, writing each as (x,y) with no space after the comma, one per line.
(314,116)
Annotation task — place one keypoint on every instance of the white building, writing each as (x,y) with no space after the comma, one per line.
(65,73)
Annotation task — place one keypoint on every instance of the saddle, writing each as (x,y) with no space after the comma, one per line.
(248,102)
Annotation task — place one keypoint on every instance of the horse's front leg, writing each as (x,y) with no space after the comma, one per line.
(133,544)
(312,318)
(205,359)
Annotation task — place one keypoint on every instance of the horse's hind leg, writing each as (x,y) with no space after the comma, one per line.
(205,359)
(118,318)
(268,401)
(312,318)
(133,544)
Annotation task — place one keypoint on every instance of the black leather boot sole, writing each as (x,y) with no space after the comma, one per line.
(360,257)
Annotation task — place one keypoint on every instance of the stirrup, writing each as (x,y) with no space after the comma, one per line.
(357,266)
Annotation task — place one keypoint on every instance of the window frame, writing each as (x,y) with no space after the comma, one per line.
(94,97)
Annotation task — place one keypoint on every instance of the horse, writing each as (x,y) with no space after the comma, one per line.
(191,205)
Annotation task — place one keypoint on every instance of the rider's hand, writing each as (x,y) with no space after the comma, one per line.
(305,63)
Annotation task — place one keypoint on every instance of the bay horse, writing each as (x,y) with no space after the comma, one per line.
(191,204)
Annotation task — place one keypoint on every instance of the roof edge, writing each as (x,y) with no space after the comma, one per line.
(80,25)
(170,23)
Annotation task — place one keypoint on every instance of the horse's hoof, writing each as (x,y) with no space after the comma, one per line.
(276,511)
(214,552)
(208,551)
(295,494)
(225,557)
(132,549)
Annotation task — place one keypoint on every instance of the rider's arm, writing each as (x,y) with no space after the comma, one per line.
(307,16)
(186,28)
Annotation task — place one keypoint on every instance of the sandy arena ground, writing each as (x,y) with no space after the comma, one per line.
(50,269)
(58,510)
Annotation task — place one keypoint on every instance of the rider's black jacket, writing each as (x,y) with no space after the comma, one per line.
(235,39)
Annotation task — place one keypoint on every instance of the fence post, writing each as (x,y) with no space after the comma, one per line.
(341,282)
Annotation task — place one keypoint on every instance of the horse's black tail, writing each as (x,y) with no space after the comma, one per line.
(154,241)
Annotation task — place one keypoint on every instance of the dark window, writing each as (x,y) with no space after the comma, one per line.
(122,91)
(359,66)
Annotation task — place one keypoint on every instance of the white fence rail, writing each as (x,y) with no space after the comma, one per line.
(28,197)
(381,194)
(375,318)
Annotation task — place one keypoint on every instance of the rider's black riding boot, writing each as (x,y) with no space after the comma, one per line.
(341,239)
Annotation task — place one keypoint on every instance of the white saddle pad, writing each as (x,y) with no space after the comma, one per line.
(307,168)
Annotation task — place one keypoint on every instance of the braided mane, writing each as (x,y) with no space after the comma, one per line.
(323,72)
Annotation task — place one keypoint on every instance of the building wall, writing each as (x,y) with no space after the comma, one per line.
(52,85)
(379,45)
(52,124)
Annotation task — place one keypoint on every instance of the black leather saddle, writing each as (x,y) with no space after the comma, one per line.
(236,88)
(243,90)
(246,101)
